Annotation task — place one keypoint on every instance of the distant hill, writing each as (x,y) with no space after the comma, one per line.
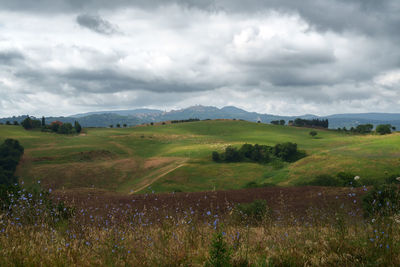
(134,112)
(140,116)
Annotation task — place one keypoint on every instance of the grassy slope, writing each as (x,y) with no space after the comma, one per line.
(142,153)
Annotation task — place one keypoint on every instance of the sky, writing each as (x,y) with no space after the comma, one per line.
(284,57)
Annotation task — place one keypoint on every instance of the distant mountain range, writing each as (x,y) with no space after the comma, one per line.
(141,116)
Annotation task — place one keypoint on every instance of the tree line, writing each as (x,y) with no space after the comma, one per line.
(259,153)
(188,120)
(381,129)
(323,123)
(57,127)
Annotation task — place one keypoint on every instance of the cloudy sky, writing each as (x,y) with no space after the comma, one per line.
(287,57)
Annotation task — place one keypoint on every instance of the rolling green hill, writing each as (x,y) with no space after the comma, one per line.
(178,156)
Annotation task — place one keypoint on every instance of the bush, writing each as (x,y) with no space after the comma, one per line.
(286,151)
(260,153)
(382,200)
(313,133)
(256,185)
(220,252)
(341,179)
(10,154)
(232,154)
(326,180)
(252,213)
(66,128)
(215,156)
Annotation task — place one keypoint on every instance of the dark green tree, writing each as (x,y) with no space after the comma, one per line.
(54,127)
(232,154)
(215,156)
(43,121)
(66,128)
(8,123)
(286,151)
(384,129)
(16,123)
(27,123)
(78,127)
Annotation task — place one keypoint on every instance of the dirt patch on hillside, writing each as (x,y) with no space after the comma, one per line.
(94,155)
(156,162)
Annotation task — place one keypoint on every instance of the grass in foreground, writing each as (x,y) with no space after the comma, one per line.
(123,233)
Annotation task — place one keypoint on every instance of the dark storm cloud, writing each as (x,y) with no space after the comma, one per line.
(10,57)
(97,24)
(107,80)
(338,15)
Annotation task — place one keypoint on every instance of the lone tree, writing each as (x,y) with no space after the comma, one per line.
(125,125)
(43,121)
(313,133)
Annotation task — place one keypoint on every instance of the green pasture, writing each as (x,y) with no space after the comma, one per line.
(124,159)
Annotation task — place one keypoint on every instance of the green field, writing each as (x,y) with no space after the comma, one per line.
(178,156)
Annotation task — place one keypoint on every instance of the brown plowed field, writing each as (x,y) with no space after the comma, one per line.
(297,202)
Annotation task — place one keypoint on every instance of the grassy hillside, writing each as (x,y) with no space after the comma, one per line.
(177,156)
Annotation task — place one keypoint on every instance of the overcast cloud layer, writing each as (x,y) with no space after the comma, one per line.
(287,57)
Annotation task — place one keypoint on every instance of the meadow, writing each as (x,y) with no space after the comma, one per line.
(152,196)
(177,157)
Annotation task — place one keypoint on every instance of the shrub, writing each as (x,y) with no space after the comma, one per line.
(10,154)
(220,252)
(215,156)
(313,133)
(340,179)
(232,154)
(326,180)
(286,151)
(66,128)
(256,185)
(382,200)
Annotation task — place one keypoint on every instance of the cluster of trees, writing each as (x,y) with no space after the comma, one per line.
(10,154)
(278,122)
(56,127)
(181,121)
(29,123)
(118,125)
(311,123)
(368,128)
(9,123)
(259,153)
(385,129)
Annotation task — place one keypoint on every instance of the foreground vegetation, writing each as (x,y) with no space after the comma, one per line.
(254,234)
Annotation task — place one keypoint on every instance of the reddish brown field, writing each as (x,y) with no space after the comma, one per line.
(295,202)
